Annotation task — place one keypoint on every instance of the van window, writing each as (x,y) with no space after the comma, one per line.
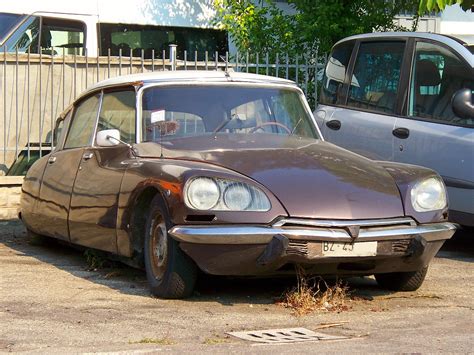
(7,22)
(376,76)
(26,37)
(136,37)
(437,74)
(335,73)
(57,34)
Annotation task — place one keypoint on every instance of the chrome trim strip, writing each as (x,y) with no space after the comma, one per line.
(226,234)
(345,223)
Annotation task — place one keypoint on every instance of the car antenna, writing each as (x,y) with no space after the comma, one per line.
(161,140)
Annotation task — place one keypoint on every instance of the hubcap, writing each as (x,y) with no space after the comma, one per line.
(158,247)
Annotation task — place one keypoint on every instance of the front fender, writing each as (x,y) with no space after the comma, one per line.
(405,176)
(167,176)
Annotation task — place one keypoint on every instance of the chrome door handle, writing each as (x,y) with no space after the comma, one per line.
(87,156)
(51,160)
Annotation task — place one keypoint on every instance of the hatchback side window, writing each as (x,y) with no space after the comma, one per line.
(335,72)
(118,112)
(437,74)
(83,123)
(376,76)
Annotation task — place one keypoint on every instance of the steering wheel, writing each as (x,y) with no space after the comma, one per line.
(253,130)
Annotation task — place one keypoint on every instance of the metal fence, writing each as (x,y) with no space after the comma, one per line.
(36,88)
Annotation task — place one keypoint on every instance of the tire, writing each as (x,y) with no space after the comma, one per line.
(170,272)
(402,281)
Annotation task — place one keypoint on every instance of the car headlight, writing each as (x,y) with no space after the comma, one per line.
(428,195)
(205,193)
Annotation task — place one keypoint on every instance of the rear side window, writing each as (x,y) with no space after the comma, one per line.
(335,73)
(118,112)
(376,76)
(83,123)
(135,38)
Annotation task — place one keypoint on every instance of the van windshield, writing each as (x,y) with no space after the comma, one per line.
(7,22)
(197,110)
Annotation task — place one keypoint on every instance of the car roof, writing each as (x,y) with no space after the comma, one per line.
(455,43)
(189,76)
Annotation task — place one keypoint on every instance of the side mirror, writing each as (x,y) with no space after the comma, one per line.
(108,138)
(463,106)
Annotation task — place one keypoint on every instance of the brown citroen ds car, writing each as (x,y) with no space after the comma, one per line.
(228,173)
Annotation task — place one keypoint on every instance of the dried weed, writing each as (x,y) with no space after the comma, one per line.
(312,294)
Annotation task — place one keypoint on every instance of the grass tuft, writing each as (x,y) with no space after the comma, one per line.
(160,341)
(312,294)
(96,260)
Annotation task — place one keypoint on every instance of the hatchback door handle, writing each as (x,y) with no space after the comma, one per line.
(51,160)
(401,132)
(87,156)
(334,124)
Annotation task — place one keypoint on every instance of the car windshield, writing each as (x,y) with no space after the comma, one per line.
(182,111)
(7,22)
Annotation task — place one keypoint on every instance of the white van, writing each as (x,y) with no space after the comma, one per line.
(106,27)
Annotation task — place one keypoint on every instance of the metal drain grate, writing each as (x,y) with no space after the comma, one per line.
(289,335)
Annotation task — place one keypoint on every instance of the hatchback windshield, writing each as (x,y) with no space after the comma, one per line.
(181,111)
(7,22)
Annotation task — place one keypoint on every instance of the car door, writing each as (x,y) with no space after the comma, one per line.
(61,169)
(435,137)
(364,115)
(94,201)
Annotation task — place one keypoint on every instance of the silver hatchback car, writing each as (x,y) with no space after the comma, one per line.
(405,97)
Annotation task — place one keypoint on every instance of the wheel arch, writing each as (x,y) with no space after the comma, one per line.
(138,217)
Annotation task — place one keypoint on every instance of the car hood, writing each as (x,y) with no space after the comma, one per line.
(311,178)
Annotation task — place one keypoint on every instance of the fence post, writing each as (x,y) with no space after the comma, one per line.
(173,48)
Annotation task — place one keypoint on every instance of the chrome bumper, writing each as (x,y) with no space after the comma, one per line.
(314,230)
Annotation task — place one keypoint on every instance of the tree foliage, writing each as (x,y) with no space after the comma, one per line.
(439,5)
(312,25)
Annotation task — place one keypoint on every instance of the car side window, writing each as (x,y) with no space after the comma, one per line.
(437,74)
(335,73)
(26,37)
(59,34)
(118,112)
(376,76)
(83,123)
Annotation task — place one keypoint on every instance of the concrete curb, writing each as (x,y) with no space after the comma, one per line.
(10,193)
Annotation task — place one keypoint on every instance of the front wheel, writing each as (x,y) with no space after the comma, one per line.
(170,272)
(402,281)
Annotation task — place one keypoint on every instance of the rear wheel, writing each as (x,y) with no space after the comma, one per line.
(170,272)
(402,281)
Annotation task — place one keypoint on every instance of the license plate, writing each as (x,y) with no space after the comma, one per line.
(349,249)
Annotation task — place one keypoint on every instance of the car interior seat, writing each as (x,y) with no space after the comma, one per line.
(426,75)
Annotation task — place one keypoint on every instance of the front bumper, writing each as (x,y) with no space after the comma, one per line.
(402,245)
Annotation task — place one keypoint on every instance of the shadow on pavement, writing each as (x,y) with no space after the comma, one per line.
(224,290)
(459,247)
